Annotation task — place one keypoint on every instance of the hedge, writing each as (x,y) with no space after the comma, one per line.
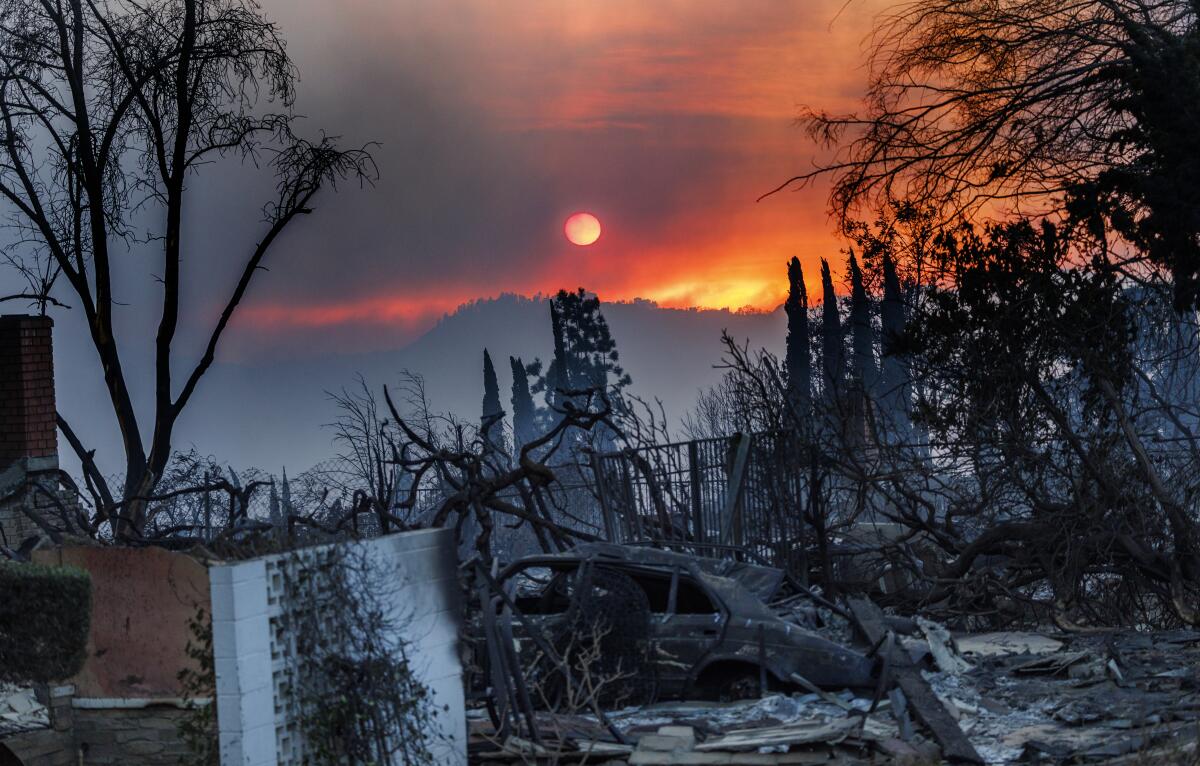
(44,617)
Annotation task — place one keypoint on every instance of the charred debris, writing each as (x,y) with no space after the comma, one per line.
(859,554)
(641,654)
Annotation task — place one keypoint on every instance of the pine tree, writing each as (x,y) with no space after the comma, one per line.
(797,362)
(523,409)
(558,374)
(585,356)
(585,353)
(493,412)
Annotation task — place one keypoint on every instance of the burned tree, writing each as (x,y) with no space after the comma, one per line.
(478,483)
(1083,106)
(798,358)
(1031,364)
(106,109)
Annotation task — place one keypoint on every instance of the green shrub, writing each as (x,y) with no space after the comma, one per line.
(44,617)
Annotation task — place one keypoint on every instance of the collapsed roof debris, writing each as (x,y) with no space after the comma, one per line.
(925,694)
(20,710)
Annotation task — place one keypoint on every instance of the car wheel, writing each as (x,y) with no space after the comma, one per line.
(729,683)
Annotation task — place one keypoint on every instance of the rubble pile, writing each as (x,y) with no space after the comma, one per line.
(1023,698)
(1076,698)
(20,710)
(935,696)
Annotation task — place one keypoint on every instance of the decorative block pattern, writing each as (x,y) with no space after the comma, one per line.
(255,705)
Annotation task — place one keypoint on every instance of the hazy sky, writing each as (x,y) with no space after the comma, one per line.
(665,118)
(494,122)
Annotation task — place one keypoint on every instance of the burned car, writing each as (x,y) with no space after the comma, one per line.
(679,625)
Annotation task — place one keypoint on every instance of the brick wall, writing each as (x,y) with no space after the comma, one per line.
(27,419)
(28,431)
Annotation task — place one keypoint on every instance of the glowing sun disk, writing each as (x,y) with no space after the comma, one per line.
(582,229)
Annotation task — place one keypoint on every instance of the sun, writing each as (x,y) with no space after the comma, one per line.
(582,229)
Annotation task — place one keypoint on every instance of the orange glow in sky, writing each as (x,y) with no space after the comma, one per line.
(668,117)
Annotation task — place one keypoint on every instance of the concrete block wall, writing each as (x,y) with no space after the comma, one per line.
(15,525)
(241,626)
(256,717)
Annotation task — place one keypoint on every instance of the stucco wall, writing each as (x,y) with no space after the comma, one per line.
(142,600)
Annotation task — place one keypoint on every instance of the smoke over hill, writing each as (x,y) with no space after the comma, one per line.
(272,415)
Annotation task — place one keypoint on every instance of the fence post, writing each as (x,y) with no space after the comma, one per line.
(633,519)
(610,526)
(733,492)
(207,513)
(698,532)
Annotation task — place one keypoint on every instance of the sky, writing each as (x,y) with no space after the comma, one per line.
(491,123)
(495,121)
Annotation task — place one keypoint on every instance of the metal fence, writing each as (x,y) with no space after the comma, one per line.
(748,491)
(715,495)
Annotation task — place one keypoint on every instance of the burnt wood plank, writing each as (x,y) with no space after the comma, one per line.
(923,703)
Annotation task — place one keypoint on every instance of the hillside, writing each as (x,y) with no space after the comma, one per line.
(273,415)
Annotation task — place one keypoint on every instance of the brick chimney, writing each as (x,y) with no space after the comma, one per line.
(28,432)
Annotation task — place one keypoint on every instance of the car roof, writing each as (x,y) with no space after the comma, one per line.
(761,581)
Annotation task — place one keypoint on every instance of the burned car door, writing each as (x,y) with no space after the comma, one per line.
(687,624)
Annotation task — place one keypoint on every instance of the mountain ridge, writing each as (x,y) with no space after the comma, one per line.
(273,414)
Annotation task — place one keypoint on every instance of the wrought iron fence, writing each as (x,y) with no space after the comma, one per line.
(747,491)
(740,493)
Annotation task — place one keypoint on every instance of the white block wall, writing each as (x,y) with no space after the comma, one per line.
(254,712)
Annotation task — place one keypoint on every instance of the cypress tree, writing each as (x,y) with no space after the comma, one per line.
(797,362)
(863,335)
(894,383)
(524,414)
(490,423)
(832,354)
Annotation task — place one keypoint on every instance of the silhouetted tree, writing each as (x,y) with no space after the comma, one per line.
(559,373)
(894,388)
(524,411)
(798,361)
(108,112)
(900,255)
(493,413)
(832,353)
(1090,104)
(585,354)
(862,339)
(863,335)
